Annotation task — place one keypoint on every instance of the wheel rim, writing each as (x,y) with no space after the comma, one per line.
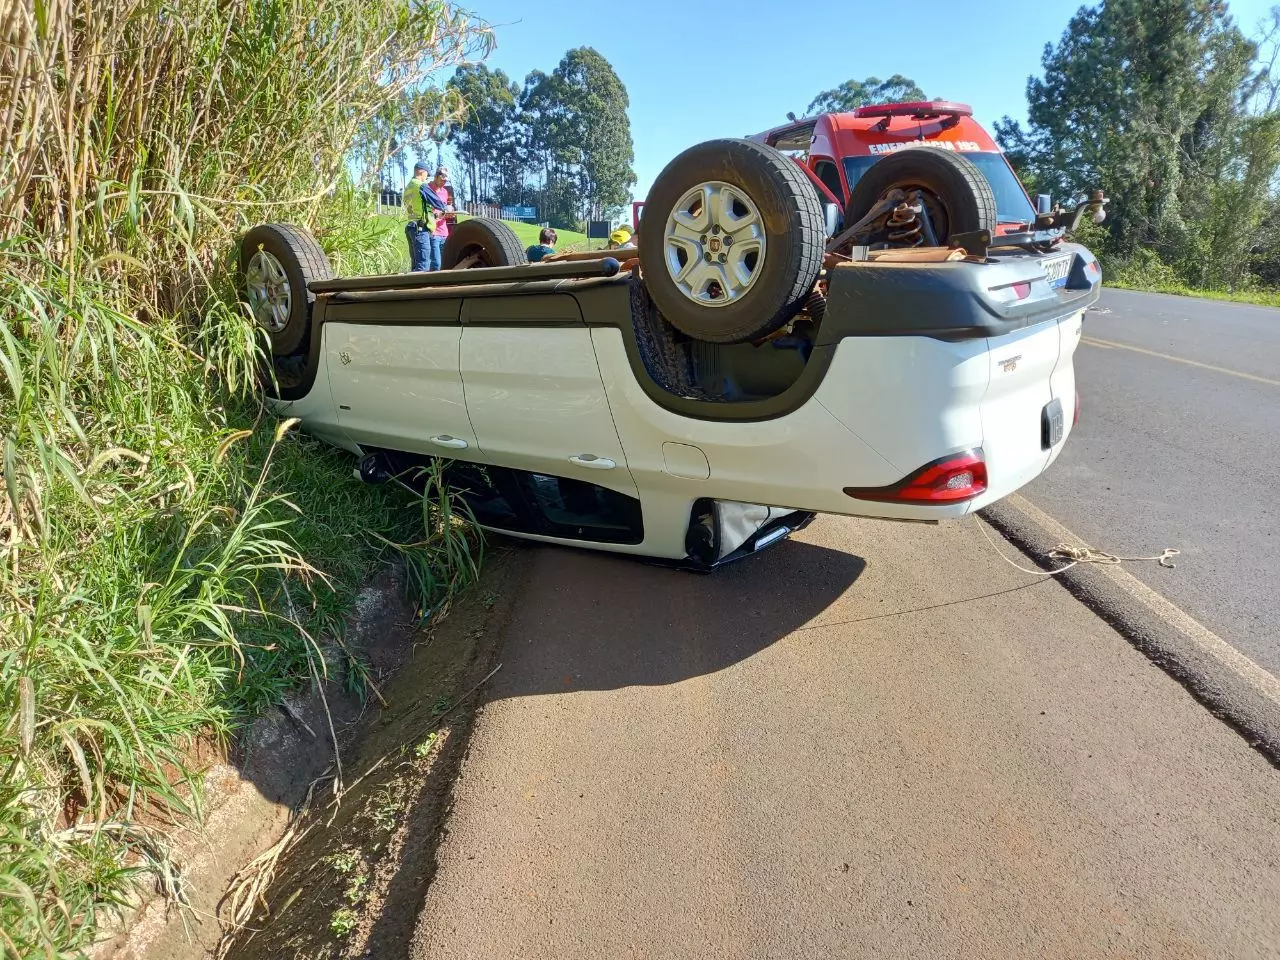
(714,244)
(267,286)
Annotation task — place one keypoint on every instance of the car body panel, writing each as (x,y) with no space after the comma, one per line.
(1063,380)
(935,385)
(316,410)
(1022,363)
(801,460)
(400,387)
(534,391)
(537,402)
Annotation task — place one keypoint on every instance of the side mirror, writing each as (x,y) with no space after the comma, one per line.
(831,214)
(1044,203)
(1095,208)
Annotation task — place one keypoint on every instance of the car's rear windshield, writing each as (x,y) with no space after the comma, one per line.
(1012,204)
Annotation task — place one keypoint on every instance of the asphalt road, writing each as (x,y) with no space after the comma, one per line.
(924,753)
(1187,455)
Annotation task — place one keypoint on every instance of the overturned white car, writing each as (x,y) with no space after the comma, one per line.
(755,361)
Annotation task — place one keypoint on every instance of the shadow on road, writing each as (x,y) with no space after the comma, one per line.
(575,620)
(600,622)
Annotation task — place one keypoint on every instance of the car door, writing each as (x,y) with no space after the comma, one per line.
(533,390)
(395,379)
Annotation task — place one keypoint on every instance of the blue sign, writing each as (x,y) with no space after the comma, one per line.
(519,213)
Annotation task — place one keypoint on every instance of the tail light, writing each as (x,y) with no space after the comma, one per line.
(1011,292)
(952,479)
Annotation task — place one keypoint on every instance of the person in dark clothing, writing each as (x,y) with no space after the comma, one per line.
(545,246)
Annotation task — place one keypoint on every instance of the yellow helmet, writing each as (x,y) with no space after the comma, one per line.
(620,236)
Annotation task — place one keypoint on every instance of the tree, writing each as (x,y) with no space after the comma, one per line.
(484,133)
(601,148)
(563,142)
(542,152)
(858,93)
(578,141)
(399,123)
(1144,99)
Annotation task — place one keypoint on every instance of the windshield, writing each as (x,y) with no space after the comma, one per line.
(1012,204)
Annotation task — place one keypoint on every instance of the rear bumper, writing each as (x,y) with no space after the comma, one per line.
(957,301)
(948,397)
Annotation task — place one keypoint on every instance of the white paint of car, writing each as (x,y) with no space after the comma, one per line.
(536,398)
(317,410)
(886,407)
(399,387)
(536,402)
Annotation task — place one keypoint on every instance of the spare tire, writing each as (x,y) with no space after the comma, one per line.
(956,195)
(485,242)
(731,241)
(278,262)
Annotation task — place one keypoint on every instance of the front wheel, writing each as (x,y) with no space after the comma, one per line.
(481,242)
(955,194)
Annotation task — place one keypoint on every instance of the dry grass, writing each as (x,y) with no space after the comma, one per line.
(170,560)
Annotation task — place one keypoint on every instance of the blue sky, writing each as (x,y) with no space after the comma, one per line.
(696,70)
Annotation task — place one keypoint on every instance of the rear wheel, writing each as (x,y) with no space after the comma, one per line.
(481,242)
(956,195)
(732,241)
(278,262)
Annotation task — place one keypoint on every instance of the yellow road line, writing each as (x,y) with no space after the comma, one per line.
(1111,344)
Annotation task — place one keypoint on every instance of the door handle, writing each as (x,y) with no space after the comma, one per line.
(592,462)
(453,443)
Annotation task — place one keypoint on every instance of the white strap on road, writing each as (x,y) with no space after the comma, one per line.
(1075,555)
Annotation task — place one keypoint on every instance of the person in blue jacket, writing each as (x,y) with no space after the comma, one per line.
(425,210)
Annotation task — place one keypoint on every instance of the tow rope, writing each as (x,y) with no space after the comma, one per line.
(1075,555)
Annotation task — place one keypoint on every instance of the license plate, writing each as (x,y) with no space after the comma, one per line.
(1051,424)
(1057,270)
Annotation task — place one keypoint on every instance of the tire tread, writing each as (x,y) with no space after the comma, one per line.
(303,255)
(861,200)
(806,227)
(495,236)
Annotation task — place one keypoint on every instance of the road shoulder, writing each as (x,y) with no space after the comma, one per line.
(1227,683)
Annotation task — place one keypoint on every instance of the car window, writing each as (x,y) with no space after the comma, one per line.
(492,496)
(829,175)
(585,511)
(525,502)
(1011,200)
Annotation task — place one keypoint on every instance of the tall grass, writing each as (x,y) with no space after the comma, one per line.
(1145,270)
(171,561)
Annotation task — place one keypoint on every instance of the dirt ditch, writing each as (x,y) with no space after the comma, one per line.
(336,873)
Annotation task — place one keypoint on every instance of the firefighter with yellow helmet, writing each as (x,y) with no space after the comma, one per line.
(620,237)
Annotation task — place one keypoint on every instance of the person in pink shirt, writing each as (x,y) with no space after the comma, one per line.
(439,185)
